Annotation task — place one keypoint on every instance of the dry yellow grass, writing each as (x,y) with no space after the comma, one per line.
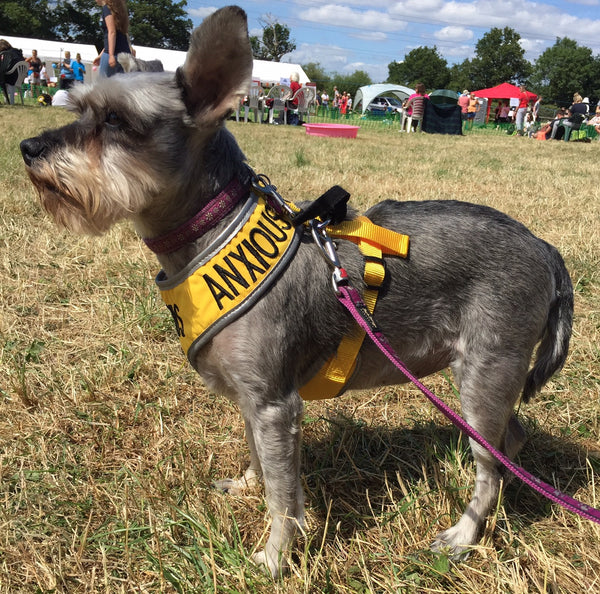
(109,442)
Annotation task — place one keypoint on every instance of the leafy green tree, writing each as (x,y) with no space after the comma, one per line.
(461,77)
(350,83)
(564,69)
(499,58)
(154,23)
(160,24)
(422,64)
(315,72)
(73,21)
(275,41)
(26,18)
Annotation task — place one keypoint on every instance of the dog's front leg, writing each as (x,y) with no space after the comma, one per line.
(253,474)
(276,432)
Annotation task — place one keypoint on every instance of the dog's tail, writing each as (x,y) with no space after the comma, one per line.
(554,346)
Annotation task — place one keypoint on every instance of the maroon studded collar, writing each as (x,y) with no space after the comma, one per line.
(200,223)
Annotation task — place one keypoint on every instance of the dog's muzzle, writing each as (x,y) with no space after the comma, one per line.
(32,149)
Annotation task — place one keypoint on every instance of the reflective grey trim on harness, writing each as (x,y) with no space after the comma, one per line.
(211,252)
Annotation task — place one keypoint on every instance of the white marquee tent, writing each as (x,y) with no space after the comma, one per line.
(267,72)
(274,72)
(53,52)
(366,94)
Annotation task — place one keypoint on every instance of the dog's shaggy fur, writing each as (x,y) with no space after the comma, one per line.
(477,292)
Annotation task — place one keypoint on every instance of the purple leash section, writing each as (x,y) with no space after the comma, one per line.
(352,301)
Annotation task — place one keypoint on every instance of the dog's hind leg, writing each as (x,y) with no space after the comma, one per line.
(515,437)
(277,433)
(487,399)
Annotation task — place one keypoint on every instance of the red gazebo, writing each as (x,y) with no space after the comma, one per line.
(503,91)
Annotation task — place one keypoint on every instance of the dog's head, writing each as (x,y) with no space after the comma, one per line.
(142,141)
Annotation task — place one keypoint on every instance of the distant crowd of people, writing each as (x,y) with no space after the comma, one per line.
(523,115)
(42,76)
(340,102)
(39,78)
(567,120)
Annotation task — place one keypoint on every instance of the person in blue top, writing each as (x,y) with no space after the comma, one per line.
(66,72)
(78,69)
(115,28)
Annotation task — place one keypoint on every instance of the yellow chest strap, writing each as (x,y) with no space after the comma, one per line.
(220,284)
(373,242)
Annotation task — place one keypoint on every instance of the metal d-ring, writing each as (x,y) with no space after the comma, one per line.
(328,250)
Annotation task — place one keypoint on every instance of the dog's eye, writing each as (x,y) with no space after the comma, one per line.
(113,120)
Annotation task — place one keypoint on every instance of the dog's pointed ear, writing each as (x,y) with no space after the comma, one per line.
(218,65)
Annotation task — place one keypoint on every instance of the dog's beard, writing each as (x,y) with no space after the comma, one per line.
(88,194)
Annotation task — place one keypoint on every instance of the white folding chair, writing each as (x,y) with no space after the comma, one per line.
(21,68)
(278,94)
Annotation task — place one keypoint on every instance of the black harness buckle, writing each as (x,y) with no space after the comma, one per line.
(331,207)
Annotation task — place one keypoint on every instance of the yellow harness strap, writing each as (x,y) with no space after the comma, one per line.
(373,241)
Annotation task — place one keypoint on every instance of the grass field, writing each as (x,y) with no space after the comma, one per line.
(109,442)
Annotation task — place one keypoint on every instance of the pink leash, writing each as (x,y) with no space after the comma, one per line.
(352,301)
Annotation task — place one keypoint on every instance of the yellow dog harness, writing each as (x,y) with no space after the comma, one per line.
(373,242)
(225,280)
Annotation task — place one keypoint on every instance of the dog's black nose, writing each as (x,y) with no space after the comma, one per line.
(31,149)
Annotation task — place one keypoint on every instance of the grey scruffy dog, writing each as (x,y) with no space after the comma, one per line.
(132,64)
(477,292)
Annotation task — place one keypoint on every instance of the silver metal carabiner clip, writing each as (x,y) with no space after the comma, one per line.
(262,184)
(324,242)
(328,250)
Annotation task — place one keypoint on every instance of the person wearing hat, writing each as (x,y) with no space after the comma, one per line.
(586,100)
(463,102)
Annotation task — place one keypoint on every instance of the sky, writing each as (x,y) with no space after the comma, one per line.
(345,36)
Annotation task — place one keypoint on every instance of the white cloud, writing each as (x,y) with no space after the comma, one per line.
(376,36)
(461,52)
(530,18)
(453,33)
(342,16)
(331,58)
(426,6)
(533,48)
(202,12)
(335,59)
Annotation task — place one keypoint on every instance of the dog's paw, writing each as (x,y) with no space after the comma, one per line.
(275,566)
(232,486)
(451,543)
(251,478)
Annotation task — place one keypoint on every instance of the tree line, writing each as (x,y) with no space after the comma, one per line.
(561,70)
(558,72)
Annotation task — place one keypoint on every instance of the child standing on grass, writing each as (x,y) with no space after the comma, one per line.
(78,69)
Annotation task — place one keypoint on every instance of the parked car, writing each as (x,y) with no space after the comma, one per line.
(381,105)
